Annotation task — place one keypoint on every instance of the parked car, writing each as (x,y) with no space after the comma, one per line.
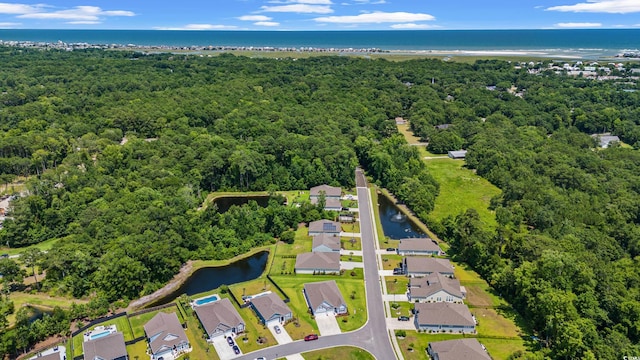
(277,329)
(261,358)
(230,341)
(391,249)
(398,271)
(236,349)
(403,318)
(311,337)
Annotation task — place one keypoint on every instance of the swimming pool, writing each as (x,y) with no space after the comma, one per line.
(206,300)
(99,335)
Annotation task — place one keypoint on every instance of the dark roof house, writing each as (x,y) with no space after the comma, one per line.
(270,307)
(110,347)
(329,191)
(324,226)
(324,297)
(422,266)
(219,317)
(457,349)
(444,317)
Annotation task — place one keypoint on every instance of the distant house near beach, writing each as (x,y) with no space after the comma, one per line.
(436,288)
(271,309)
(219,318)
(324,227)
(318,263)
(444,317)
(324,297)
(418,266)
(605,140)
(166,337)
(457,349)
(109,347)
(326,243)
(418,246)
(457,154)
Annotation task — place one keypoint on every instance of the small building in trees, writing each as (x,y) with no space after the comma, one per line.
(457,154)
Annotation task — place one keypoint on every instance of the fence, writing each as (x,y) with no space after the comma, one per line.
(286,297)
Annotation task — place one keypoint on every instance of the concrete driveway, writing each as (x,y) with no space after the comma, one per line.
(396,297)
(327,324)
(350,234)
(283,337)
(222,348)
(350,265)
(349,252)
(395,324)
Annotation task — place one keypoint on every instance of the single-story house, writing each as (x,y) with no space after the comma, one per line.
(318,263)
(330,204)
(457,154)
(444,317)
(166,337)
(324,297)
(417,266)
(324,227)
(436,288)
(469,348)
(604,140)
(219,318)
(418,246)
(270,308)
(326,243)
(50,356)
(110,347)
(328,191)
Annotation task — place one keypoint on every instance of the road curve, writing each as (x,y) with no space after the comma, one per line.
(373,336)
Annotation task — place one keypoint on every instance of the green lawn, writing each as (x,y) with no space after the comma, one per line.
(43,246)
(389,262)
(499,349)
(349,203)
(461,189)
(338,353)
(347,244)
(354,295)
(284,254)
(396,284)
(138,350)
(353,227)
(352,258)
(403,308)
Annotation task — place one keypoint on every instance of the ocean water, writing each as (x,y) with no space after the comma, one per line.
(586,42)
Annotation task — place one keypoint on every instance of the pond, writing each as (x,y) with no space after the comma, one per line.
(225,202)
(209,278)
(394,224)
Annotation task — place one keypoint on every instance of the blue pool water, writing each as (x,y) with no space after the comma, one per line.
(206,300)
(99,335)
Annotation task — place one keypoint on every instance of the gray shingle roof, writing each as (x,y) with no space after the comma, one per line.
(418,244)
(269,305)
(105,348)
(169,328)
(318,260)
(50,356)
(328,203)
(459,349)
(326,226)
(444,313)
(324,292)
(328,240)
(431,284)
(419,264)
(219,313)
(328,191)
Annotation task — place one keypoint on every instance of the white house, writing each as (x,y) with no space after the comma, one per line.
(444,317)
(324,297)
(436,288)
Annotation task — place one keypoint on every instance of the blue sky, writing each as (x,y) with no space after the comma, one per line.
(319,14)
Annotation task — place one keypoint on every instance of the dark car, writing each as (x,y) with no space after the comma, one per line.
(398,271)
(230,341)
(403,318)
(311,337)
(277,329)
(391,249)
(236,349)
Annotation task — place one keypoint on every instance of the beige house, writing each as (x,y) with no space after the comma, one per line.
(318,263)
(418,266)
(458,349)
(324,297)
(444,317)
(166,337)
(110,347)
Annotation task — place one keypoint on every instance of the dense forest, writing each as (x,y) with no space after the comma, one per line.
(120,150)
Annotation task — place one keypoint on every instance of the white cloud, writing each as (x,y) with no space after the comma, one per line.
(412,26)
(299,8)
(6,8)
(84,22)
(254,18)
(310,2)
(78,13)
(578,25)
(601,6)
(266,23)
(8,25)
(199,27)
(377,17)
(372,2)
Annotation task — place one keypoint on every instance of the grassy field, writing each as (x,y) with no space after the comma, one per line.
(461,189)
(21,299)
(389,262)
(352,258)
(284,254)
(403,308)
(43,246)
(354,227)
(347,245)
(138,350)
(338,353)
(396,284)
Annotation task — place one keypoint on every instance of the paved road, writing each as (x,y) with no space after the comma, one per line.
(373,336)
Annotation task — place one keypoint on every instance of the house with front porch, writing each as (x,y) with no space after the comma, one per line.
(219,318)
(271,309)
(444,317)
(166,337)
(324,297)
